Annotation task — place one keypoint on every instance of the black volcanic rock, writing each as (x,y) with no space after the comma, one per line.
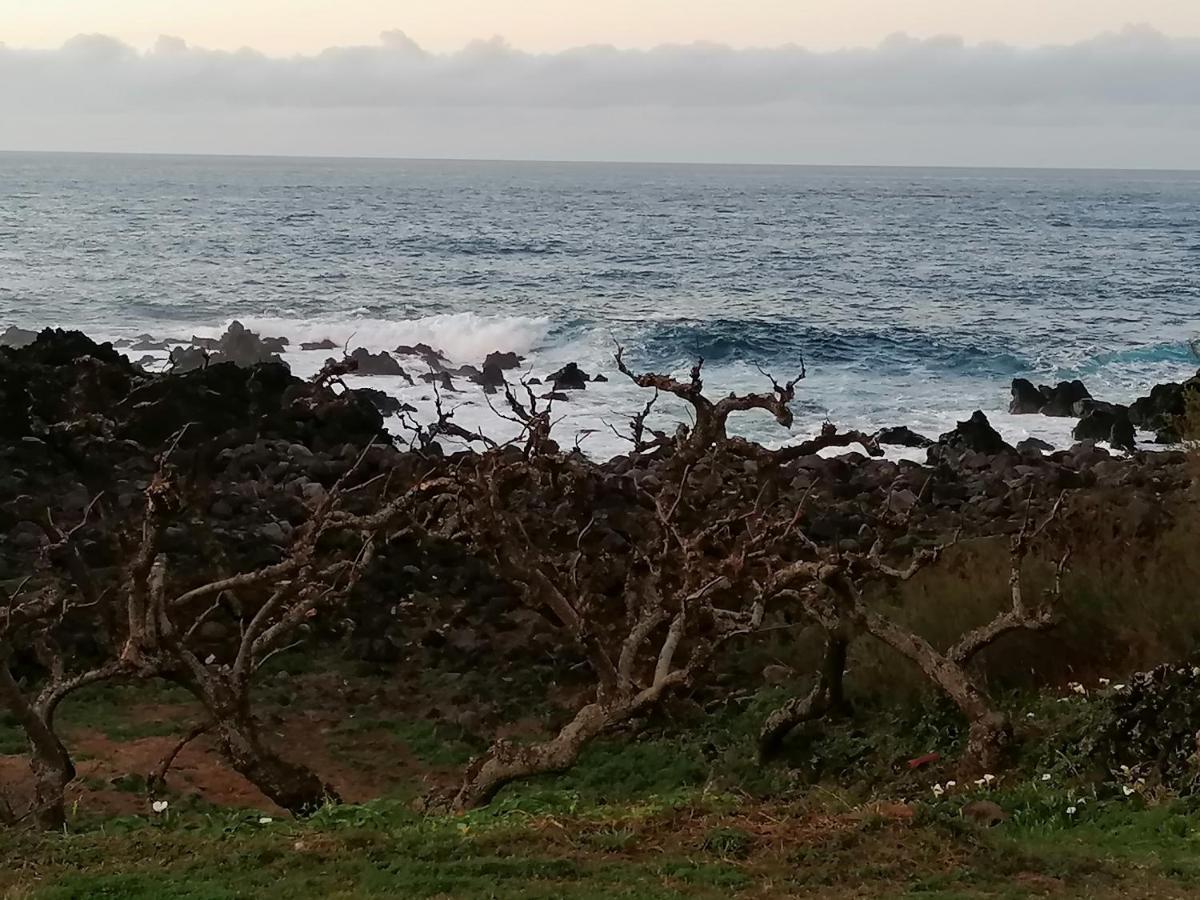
(1026,398)
(902,436)
(17,337)
(569,378)
(1106,422)
(977,434)
(503,360)
(1164,407)
(1064,398)
(323,344)
(382,363)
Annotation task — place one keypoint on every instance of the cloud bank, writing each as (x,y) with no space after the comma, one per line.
(396,98)
(94,72)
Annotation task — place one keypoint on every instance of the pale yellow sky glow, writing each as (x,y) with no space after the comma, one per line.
(305,26)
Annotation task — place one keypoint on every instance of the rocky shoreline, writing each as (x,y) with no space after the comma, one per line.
(277,510)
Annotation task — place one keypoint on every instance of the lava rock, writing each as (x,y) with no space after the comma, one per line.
(569,378)
(902,436)
(1026,398)
(1064,398)
(1106,422)
(977,434)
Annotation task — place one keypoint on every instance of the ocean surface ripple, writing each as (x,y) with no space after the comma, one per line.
(913,295)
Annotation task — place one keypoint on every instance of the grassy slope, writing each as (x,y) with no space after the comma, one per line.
(681,810)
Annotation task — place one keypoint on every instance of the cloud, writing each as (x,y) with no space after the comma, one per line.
(95,73)
(1126,99)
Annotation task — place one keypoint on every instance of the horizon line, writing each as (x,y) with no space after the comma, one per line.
(589,162)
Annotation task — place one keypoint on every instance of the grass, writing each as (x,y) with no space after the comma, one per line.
(695,848)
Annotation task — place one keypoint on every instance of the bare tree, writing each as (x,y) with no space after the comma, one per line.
(835,594)
(709,427)
(648,585)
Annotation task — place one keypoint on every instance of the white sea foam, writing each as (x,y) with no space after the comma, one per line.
(464,337)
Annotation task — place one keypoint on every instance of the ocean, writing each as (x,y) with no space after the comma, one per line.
(913,296)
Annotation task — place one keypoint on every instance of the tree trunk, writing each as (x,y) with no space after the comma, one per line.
(290,785)
(990,730)
(294,787)
(49,761)
(504,763)
(827,695)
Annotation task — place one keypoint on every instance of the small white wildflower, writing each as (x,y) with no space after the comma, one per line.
(1105,681)
(159,806)
(979,782)
(1030,716)
(1127,790)
(938,790)
(1118,687)
(1046,777)
(210,659)
(1064,699)
(1124,770)
(950,784)
(265,820)
(988,779)
(1078,688)
(1071,810)
(1081,801)
(1196,671)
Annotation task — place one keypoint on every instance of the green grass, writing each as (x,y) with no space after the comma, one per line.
(693,849)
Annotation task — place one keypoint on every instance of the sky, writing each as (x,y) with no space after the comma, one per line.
(1102,83)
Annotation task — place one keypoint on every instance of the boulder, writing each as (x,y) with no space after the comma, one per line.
(597,379)
(1062,400)
(977,434)
(323,344)
(238,345)
(503,360)
(435,359)
(385,403)
(1032,446)
(902,436)
(1026,398)
(1106,422)
(382,363)
(17,337)
(569,378)
(441,379)
(1163,408)
(491,378)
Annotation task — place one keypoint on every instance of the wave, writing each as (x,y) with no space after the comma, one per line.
(464,337)
(771,342)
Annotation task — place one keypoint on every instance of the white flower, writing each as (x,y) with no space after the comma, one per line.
(1030,716)
(988,779)
(1127,790)
(1078,688)
(1118,687)
(1196,671)
(938,790)
(210,659)
(1046,777)
(265,820)
(1071,810)
(159,806)
(979,782)
(1105,681)
(950,784)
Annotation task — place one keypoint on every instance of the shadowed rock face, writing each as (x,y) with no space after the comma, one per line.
(17,337)
(569,378)
(1106,422)
(238,345)
(1161,410)
(976,434)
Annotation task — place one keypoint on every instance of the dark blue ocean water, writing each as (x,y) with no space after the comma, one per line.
(914,295)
